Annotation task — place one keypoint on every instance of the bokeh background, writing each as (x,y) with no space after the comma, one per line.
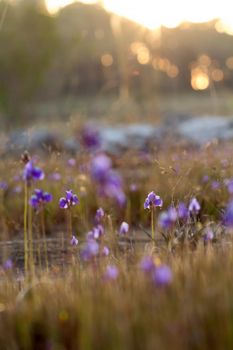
(113,60)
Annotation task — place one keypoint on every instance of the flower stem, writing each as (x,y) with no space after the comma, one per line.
(31,259)
(25,227)
(44,238)
(69,222)
(152,224)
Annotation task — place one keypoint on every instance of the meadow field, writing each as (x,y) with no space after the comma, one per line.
(116,175)
(130,252)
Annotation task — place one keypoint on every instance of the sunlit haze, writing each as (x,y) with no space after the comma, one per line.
(170,13)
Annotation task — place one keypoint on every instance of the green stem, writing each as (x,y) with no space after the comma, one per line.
(152,224)
(44,238)
(25,227)
(31,259)
(70,223)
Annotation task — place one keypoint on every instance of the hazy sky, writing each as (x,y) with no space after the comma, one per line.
(153,13)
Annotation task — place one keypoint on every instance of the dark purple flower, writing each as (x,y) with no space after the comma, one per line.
(90,137)
(111,272)
(74,241)
(228,215)
(147,264)
(100,167)
(182,211)
(99,215)
(162,275)
(32,173)
(68,201)
(40,197)
(124,228)
(152,200)
(194,206)
(168,218)
(90,250)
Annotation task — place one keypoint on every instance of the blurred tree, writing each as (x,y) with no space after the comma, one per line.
(27,45)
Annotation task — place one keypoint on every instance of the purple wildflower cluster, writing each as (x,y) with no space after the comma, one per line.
(160,274)
(169,217)
(31,172)
(69,200)
(74,241)
(152,200)
(90,137)
(109,182)
(92,247)
(39,198)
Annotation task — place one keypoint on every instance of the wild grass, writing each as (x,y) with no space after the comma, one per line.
(74,305)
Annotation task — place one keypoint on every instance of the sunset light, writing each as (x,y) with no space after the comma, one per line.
(169,13)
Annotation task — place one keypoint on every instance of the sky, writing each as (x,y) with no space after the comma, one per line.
(170,13)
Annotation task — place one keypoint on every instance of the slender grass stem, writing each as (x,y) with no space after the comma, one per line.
(25,227)
(31,258)
(152,224)
(69,224)
(42,217)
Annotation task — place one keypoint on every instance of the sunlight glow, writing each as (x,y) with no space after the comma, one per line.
(170,13)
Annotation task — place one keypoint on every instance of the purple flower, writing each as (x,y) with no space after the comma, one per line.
(96,232)
(68,201)
(229,185)
(40,197)
(74,241)
(133,187)
(215,185)
(208,235)
(100,167)
(8,264)
(90,137)
(147,264)
(32,173)
(228,215)
(205,179)
(105,251)
(182,211)
(111,272)
(99,215)
(168,218)
(124,228)
(90,250)
(55,176)
(162,275)
(152,200)
(3,185)
(109,182)
(71,162)
(194,206)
